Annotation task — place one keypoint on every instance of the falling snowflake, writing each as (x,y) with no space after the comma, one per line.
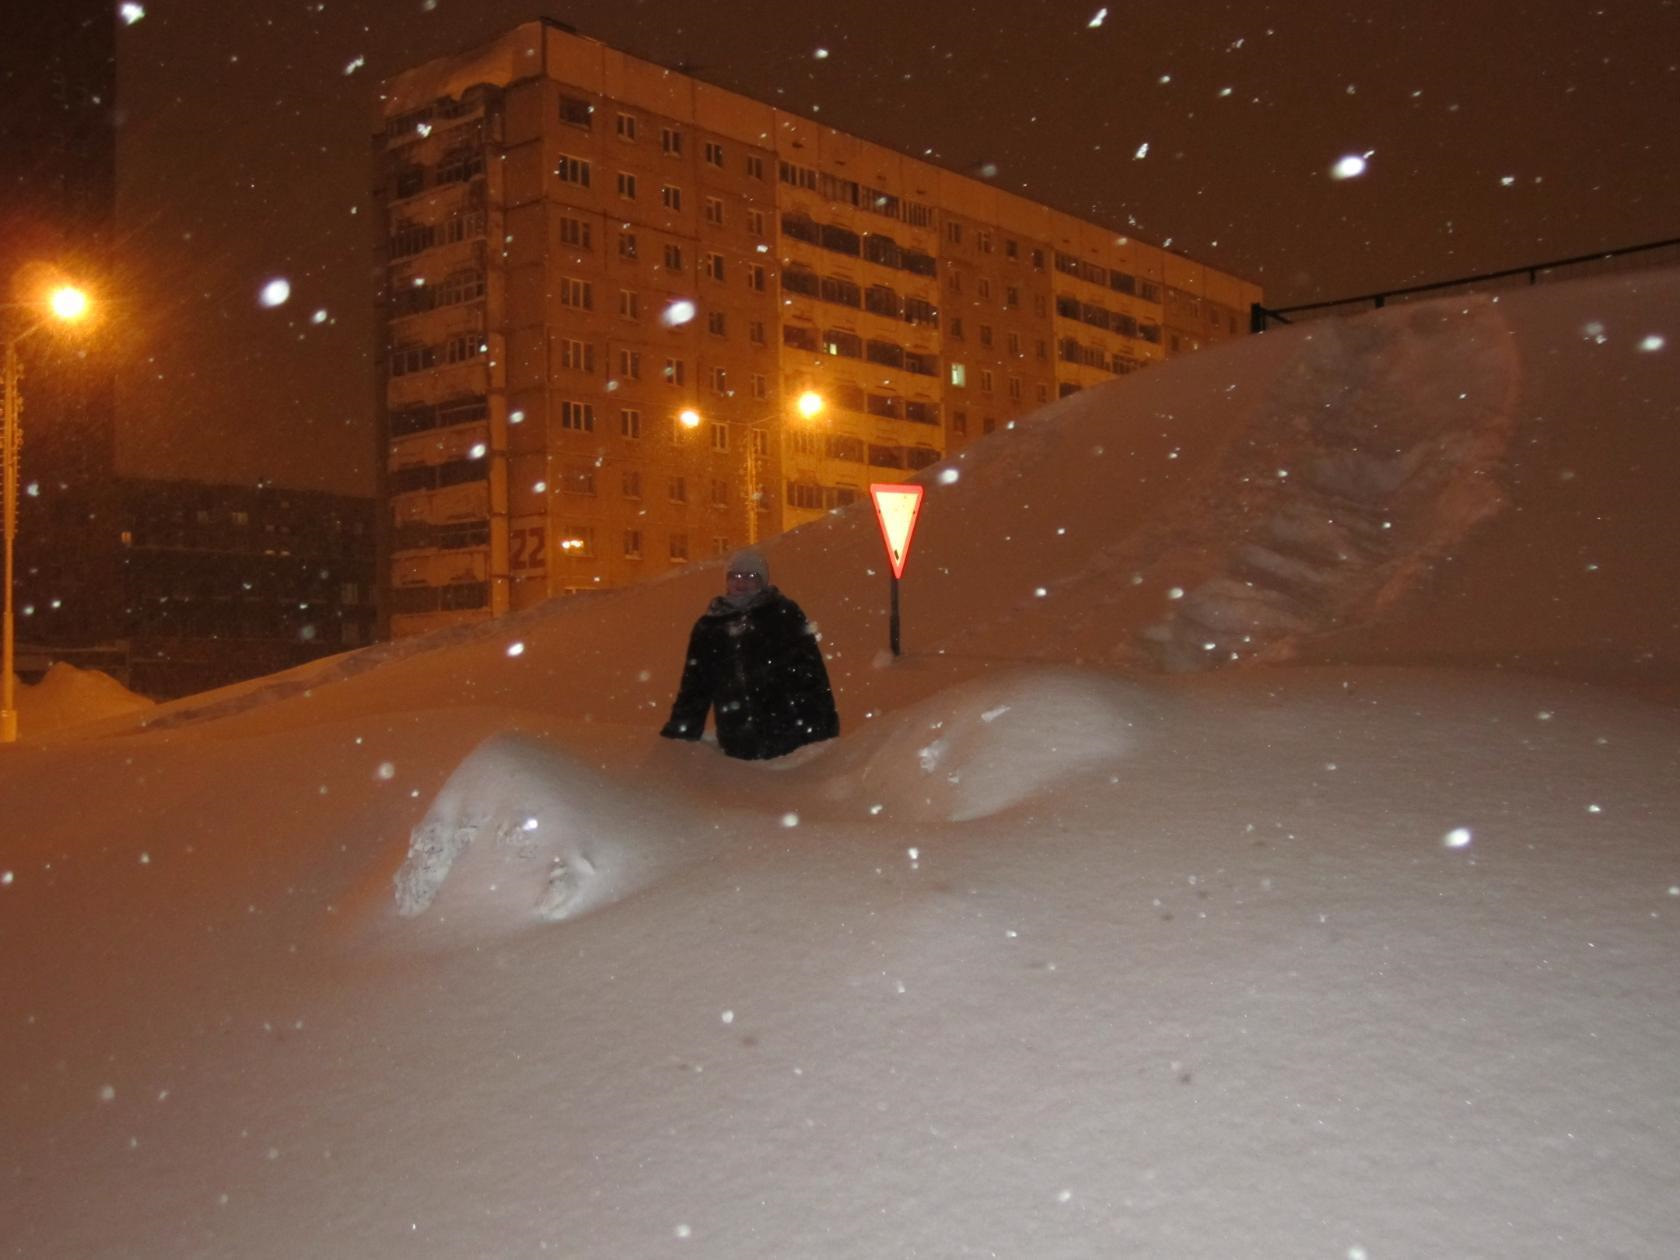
(131,13)
(1351,166)
(1098,20)
(275,292)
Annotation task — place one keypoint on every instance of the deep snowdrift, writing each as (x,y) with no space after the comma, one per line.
(1086,938)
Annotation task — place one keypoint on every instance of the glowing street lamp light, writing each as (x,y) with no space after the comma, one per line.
(67,304)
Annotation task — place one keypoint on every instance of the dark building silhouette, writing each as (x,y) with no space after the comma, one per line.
(223,583)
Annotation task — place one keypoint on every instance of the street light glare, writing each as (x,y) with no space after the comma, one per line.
(689,418)
(810,404)
(68,302)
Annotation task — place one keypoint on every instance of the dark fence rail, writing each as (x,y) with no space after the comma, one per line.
(1629,258)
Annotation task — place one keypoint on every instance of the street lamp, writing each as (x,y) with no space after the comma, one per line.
(67,304)
(809,405)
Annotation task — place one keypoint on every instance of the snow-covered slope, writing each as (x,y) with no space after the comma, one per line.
(1086,938)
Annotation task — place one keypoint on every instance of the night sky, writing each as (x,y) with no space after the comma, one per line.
(1499,133)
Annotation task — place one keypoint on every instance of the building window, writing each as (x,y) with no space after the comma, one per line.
(627,245)
(578,479)
(629,304)
(627,185)
(720,436)
(959,423)
(755,332)
(676,489)
(714,154)
(953,232)
(714,266)
(463,347)
(577,416)
(755,166)
(1011,297)
(630,423)
(407,359)
(670,141)
(670,196)
(714,211)
(575,232)
(579,113)
(674,372)
(760,386)
(1015,344)
(798,176)
(578,293)
(755,222)
(985,334)
(573,170)
(459,287)
(632,544)
(630,364)
(755,277)
(679,548)
(1038,260)
(983,289)
(716,323)
(720,380)
(1011,248)
(673,258)
(1015,387)
(802,494)
(986,380)
(627,127)
(983,241)
(720,495)
(630,483)
(959,375)
(577,540)
(577,356)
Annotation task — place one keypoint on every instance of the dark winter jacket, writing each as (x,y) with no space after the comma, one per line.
(760,669)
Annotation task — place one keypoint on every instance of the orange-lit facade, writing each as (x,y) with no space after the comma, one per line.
(580,246)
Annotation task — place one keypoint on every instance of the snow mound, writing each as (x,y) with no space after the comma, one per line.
(67,696)
(521,833)
(982,746)
(1378,452)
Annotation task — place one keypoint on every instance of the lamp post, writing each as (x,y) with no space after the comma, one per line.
(809,405)
(67,304)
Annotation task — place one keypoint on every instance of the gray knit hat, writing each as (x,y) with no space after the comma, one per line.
(750,560)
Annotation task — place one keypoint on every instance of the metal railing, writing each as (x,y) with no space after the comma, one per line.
(1629,258)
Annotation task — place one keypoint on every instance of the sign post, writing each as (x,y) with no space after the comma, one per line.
(896,509)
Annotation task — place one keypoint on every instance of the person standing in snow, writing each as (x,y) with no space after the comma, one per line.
(754,659)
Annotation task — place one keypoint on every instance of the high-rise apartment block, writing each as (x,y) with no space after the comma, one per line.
(634,320)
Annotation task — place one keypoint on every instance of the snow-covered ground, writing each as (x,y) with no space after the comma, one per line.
(1269,845)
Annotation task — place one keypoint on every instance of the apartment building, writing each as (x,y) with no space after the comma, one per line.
(633,320)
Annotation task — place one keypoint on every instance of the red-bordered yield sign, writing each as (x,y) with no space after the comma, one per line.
(896,508)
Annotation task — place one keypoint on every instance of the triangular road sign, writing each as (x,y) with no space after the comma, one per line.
(896,508)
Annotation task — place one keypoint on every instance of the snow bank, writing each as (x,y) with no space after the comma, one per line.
(980,747)
(522,833)
(67,696)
